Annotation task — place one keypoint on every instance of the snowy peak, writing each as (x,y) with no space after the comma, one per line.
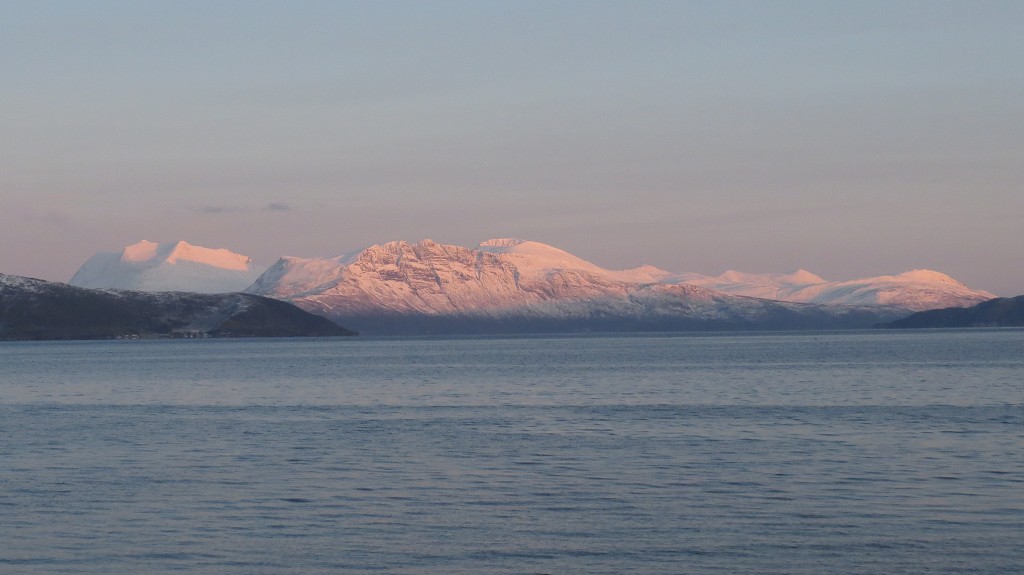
(501,243)
(915,290)
(150,253)
(218,258)
(767,286)
(802,276)
(538,259)
(140,252)
(293,276)
(177,266)
(925,277)
(799,277)
(429,278)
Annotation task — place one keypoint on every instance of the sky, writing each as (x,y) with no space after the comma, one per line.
(851,139)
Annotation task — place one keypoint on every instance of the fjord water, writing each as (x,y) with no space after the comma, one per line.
(857,452)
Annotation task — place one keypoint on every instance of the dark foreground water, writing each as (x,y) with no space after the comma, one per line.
(880,452)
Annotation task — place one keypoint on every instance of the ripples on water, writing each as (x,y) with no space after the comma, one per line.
(813,453)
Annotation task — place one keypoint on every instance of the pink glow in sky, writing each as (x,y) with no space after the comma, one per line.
(849,139)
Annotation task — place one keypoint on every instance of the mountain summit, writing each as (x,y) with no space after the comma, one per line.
(537,259)
(178,266)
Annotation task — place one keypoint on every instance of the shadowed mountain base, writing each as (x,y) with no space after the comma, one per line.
(33,309)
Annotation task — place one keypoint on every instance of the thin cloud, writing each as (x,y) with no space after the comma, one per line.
(236,209)
(221,209)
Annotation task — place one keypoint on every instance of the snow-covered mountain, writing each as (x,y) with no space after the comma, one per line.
(915,290)
(537,259)
(149,266)
(522,283)
(435,279)
(510,281)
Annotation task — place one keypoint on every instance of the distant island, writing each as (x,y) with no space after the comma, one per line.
(32,309)
(999,312)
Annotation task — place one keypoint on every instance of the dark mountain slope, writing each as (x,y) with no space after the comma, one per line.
(999,312)
(32,309)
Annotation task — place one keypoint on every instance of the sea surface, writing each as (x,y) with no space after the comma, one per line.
(810,453)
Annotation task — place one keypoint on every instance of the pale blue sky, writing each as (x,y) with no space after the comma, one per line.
(848,138)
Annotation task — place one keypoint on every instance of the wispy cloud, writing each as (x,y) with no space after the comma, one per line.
(27,213)
(221,209)
(237,209)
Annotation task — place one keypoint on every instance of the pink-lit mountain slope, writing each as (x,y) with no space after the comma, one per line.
(148,266)
(523,285)
(427,277)
(915,290)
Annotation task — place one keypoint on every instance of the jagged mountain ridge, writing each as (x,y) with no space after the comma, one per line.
(178,266)
(523,285)
(32,309)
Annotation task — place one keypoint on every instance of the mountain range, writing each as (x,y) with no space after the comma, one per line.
(915,290)
(516,285)
(507,285)
(32,309)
